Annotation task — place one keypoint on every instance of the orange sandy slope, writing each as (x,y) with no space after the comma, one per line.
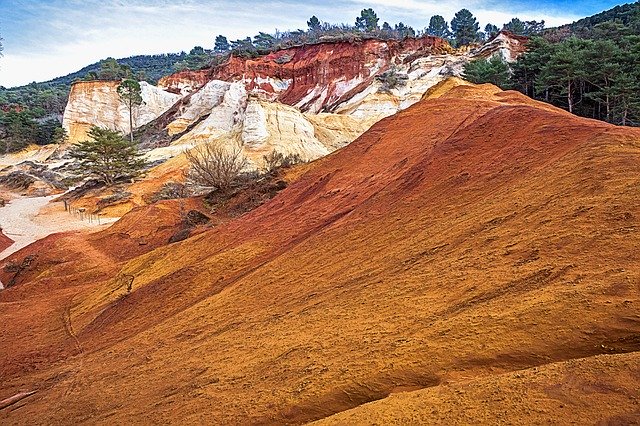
(467,238)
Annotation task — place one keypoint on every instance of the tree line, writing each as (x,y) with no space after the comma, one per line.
(592,73)
(464,30)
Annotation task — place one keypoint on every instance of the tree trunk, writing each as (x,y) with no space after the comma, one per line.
(131,121)
(569,98)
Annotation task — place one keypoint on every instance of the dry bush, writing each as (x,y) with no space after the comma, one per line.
(214,165)
(275,160)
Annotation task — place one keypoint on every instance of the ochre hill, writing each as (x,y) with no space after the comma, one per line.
(476,255)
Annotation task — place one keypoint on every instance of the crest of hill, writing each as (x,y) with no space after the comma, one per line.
(471,235)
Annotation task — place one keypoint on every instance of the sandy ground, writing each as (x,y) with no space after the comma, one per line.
(28,219)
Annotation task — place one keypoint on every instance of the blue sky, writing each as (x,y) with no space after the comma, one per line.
(46,39)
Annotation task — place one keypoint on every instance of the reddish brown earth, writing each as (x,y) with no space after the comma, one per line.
(474,255)
(193,79)
(323,65)
(4,241)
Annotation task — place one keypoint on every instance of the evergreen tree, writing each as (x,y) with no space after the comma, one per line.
(490,31)
(515,26)
(314,24)
(244,48)
(533,28)
(221,44)
(528,66)
(404,31)
(387,29)
(264,41)
(464,27)
(560,75)
(626,91)
(493,70)
(438,27)
(110,69)
(367,21)
(107,156)
(130,94)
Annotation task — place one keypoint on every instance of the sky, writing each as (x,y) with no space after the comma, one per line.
(47,39)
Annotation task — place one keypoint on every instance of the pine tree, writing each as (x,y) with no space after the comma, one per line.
(493,70)
(626,90)
(404,31)
(313,23)
(367,21)
(221,44)
(515,26)
(130,94)
(561,74)
(465,27)
(490,31)
(107,156)
(438,27)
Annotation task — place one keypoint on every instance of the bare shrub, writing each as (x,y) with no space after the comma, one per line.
(275,160)
(214,165)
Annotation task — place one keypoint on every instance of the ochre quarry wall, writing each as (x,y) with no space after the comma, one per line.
(316,77)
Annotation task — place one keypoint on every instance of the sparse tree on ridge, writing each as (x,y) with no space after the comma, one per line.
(221,44)
(367,21)
(438,27)
(515,26)
(314,23)
(464,27)
(404,31)
(490,31)
(130,94)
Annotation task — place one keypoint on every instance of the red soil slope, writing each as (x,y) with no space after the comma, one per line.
(461,241)
(4,241)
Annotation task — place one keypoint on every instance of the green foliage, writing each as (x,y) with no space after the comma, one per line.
(392,79)
(367,21)
(493,70)
(404,31)
(595,77)
(110,69)
(465,28)
(313,23)
(221,44)
(21,127)
(130,95)
(438,27)
(490,31)
(525,28)
(264,41)
(627,15)
(107,156)
(244,48)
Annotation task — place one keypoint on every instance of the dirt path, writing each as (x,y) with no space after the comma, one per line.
(28,219)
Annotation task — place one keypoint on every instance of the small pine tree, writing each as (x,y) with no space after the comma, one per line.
(438,27)
(465,27)
(221,44)
(130,94)
(313,23)
(367,21)
(107,156)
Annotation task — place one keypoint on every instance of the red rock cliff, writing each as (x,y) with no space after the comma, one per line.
(314,77)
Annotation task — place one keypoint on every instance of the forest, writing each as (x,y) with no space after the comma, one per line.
(589,68)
